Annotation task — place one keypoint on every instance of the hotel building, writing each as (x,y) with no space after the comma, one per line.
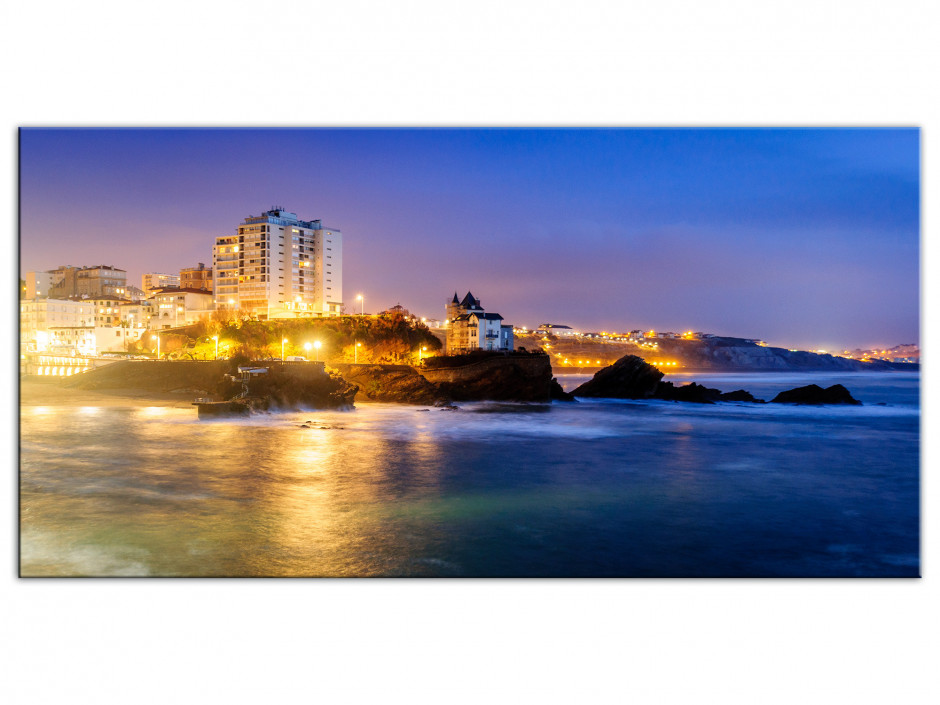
(278,266)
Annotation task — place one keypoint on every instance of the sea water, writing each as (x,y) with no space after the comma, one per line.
(595,488)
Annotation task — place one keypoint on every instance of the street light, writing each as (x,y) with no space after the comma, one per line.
(282,349)
(421,352)
(157,336)
(358,345)
(307,347)
(316,346)
(362,310)
(216,339)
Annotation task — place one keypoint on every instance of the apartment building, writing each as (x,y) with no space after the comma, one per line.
(38,285)
(39,316)
(173,307)
(199,277)
(156,280)
(67,281)
(79,326)
(278,266)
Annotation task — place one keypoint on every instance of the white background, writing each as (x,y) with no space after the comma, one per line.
(481,63)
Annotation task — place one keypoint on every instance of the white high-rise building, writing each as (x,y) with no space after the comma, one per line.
(277,266)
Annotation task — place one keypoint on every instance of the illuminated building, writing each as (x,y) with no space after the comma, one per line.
(67,281)
(470,328)
(278,266)
(172,307)
(196,278)
(155,280)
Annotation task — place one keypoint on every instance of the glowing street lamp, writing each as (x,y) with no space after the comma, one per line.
(362,310)
(216,339)
(316,346)
(282,349)
(307,347)
(358,345)
(157,336)
(421,352)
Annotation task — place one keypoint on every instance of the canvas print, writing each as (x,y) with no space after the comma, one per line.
(469,353)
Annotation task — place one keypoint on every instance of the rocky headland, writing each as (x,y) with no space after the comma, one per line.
(520,377)
(715,353)
(390,383)
(633,378)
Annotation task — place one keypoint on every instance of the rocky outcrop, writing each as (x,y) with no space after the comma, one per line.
(494,377)
(390,383)
(557,392)
(700,394)
(628,378)
(740,395)
(291,387)
(814,394)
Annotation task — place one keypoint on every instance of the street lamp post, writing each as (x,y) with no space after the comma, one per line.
(282,349)
(307,347)
(358,345)
(157,336)
(216,339)
(421,352)
(316,347)
(362,310)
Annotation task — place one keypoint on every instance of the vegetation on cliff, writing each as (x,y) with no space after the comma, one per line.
(387,338)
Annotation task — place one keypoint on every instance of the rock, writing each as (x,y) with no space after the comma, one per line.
(557,393)
(516,377)
(390,383)
(628,378)
(740,395)
(814,394)
(695,393)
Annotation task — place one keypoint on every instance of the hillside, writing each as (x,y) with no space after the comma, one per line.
(672,354)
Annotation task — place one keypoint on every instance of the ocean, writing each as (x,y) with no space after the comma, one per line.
(599,488)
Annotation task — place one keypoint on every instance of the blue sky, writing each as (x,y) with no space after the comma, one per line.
(805,238)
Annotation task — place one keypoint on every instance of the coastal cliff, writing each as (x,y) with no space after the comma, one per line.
(390,383)
(496,377)
(584,354)
(287,385)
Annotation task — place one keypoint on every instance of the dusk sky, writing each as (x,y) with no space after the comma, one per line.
(804,238)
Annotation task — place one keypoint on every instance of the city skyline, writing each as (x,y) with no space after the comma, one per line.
(804,238)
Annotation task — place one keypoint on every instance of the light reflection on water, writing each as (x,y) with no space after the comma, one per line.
(605,488)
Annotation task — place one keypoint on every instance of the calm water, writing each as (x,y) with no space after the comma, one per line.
(599,488)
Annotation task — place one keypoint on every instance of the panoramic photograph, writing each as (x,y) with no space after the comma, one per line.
(469,353)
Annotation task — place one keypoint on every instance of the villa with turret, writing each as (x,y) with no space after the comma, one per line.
(471,328)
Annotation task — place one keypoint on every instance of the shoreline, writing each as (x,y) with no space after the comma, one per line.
(33,393)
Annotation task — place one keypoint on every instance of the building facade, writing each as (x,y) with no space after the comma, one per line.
(278,266)
(39,316)
(174,307)
(100,280)
(73,327)
(470,328)
(38,285)
(156,280)
(199,277)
